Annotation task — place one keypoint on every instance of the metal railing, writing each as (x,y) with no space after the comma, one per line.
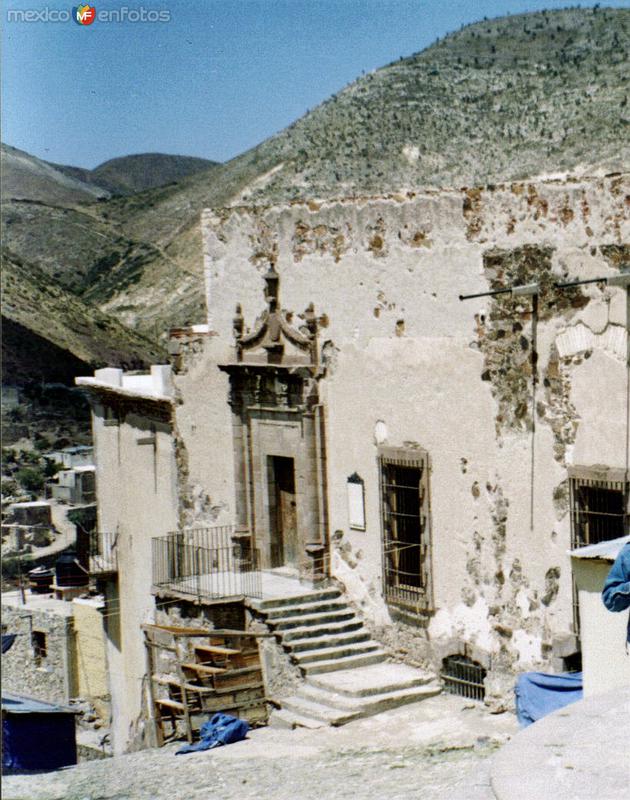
(102,552)
(404,573)
(206,563)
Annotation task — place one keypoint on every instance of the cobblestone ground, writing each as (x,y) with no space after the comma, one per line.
(435,750)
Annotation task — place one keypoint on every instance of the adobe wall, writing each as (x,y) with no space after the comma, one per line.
(407,363)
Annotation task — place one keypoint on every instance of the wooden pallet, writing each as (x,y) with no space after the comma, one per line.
(210,671)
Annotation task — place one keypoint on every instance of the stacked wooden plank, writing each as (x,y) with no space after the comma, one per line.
(206,671)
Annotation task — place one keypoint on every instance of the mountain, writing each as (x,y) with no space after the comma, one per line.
(499,100)
(25,177)
(131,174)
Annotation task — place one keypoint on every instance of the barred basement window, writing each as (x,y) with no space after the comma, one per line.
(464,677)
(406,526)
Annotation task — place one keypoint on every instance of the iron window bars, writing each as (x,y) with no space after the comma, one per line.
(405,512)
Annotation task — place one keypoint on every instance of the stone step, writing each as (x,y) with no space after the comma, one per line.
(285,719)
(319,642)
(371,680)
(304,609)
(317,631)
(285,623)
(370,704)
(328,653)
(308,597)
(345,663)
(311,709)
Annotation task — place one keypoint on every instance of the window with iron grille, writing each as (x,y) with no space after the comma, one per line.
(599,511)
(599,505)
(464,677)
(405,510)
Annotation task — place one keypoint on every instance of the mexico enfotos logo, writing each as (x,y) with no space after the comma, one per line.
(85,14)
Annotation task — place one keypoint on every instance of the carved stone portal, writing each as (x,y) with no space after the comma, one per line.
(279,442)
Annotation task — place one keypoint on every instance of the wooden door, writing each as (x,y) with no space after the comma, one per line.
(285,538)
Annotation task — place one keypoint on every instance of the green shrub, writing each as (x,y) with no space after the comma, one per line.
(31,478)
(9,487)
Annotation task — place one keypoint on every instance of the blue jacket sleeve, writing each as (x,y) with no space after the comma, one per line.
(616,591)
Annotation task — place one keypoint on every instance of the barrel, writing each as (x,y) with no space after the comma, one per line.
(68,572)
(41,580)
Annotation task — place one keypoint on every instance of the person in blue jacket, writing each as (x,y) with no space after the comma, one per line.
(616,591)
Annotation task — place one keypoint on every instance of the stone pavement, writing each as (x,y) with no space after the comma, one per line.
(434,750)
(581,752)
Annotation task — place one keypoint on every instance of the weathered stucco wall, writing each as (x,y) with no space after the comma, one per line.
(407,362)
(137,500)
(204,432)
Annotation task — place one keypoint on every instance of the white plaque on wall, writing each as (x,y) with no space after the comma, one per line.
(356,502)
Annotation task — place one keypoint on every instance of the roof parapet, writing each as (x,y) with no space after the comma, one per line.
(155,385)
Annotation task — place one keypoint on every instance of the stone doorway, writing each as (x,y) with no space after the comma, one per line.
(283,512)
(279,438)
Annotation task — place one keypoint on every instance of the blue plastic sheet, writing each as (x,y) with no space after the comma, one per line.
(7,641)
(538,694)
(221,729)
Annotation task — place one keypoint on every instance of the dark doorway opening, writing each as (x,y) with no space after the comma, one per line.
(284,550)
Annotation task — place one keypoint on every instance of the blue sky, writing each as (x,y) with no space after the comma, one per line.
(218,78)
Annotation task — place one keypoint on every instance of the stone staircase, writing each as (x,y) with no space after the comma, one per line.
(346,673)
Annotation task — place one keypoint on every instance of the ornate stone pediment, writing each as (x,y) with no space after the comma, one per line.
(273,339)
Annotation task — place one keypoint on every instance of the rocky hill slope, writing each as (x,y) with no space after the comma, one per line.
(43,311)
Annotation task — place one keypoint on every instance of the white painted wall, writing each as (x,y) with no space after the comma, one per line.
(605,656)
(137,498)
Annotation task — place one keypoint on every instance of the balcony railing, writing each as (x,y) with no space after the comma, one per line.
(206,563)
(103,556)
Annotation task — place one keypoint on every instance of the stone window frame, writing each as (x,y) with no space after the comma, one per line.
(412,599)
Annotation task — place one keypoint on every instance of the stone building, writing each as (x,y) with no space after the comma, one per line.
(348,417)
(59,651)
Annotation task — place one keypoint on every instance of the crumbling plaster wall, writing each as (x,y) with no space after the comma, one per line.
(203,430)
(407,362)
(137,499)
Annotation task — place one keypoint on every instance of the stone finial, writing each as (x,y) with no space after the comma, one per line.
(311,319)
(272,287)
(238,322)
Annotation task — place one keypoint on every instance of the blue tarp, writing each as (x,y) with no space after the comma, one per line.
(538,694)
(36,736)
(221,729)
(7,641)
